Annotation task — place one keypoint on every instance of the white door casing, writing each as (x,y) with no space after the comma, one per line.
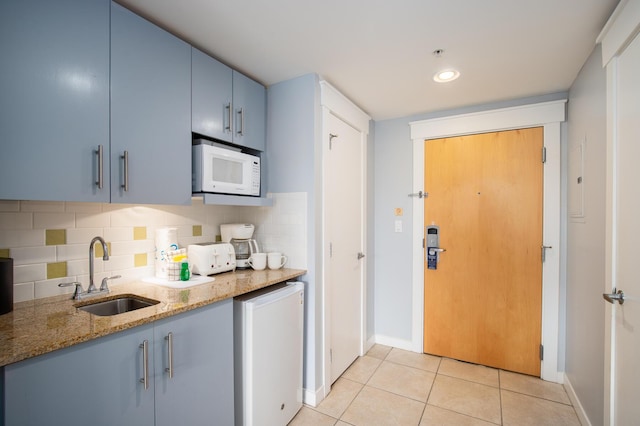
(548,115)
(621,56)
(336,106)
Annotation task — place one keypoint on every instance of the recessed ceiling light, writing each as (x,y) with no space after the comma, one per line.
(446,76)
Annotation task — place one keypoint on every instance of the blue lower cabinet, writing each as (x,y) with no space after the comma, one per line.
(102,382)
(196,387)
(93,383)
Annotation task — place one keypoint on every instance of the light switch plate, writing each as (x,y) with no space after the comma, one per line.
(398,226)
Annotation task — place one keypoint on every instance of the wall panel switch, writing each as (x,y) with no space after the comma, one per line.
(398,226)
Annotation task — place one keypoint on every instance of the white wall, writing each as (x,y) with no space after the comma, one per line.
(585,308)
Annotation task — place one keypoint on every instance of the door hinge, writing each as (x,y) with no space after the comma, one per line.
(423,243)
(541,353)
(330,355)
(330,250)
(544,154)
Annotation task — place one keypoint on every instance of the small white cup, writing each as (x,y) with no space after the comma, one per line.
(258,261)
(276,260)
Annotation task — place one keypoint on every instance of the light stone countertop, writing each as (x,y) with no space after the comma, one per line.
(43,325)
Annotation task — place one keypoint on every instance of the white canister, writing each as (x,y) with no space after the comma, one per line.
(166,240)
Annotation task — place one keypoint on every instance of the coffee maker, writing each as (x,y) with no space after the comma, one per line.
(239,235)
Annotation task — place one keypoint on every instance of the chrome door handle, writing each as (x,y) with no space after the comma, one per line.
(169,339)
(615,296)
(360,255)
(433,251)
(125,160)
(145,364)
(241,131)
(229,117)
(99,153)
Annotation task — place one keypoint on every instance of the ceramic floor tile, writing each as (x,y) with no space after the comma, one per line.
(309,417)
(362,369)
(461,396)
(533,386)
(379,351)
(413,359)
(402,380)
(377,407)
(343,391)
(439,416)
(472,372)
(524,410)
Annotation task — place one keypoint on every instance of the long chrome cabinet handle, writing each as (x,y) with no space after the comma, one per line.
(99,153)
(169,339)
(241,131)
(125,159)
(229,117)
(145,364)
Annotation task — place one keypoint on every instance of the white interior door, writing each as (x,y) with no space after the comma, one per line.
(344,195)
(624,233)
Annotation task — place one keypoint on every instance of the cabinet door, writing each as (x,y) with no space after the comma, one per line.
(93,383)
(211,108)
(54,98)
(150,112)
(250,109)
(201,389)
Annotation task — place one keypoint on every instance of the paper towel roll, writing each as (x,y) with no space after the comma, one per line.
(6,285)
(166,240)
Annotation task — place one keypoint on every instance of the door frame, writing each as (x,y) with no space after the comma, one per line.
(620,30)
(335,103)
(548,115)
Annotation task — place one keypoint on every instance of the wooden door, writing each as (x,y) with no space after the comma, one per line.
(344,220)
(483,303)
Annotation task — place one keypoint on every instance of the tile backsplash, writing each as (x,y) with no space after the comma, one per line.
(49,241)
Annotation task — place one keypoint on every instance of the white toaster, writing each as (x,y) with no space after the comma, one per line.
(211,258)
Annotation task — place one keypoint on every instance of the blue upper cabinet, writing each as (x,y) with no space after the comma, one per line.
(227,105)
(54,99)
(250,112)
(150,112)
(211,98)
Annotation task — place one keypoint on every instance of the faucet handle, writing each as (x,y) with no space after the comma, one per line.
(78,291)
(104,286)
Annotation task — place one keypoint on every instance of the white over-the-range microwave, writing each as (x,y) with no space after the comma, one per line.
(224,170)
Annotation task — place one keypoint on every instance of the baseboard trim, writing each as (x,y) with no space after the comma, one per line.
(369,344)
(575,401)
(313,398)
(407,345)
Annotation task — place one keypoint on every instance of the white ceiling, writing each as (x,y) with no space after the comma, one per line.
(379,52)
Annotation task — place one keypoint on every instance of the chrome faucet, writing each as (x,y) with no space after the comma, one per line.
(79,292)
(105,250)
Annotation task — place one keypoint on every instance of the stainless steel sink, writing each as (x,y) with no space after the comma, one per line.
(125,303)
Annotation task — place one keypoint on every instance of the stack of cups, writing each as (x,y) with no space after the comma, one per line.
(166,240)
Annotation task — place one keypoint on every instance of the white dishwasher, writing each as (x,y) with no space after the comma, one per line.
(268,333)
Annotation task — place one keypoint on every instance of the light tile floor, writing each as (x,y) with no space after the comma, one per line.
(395,387)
